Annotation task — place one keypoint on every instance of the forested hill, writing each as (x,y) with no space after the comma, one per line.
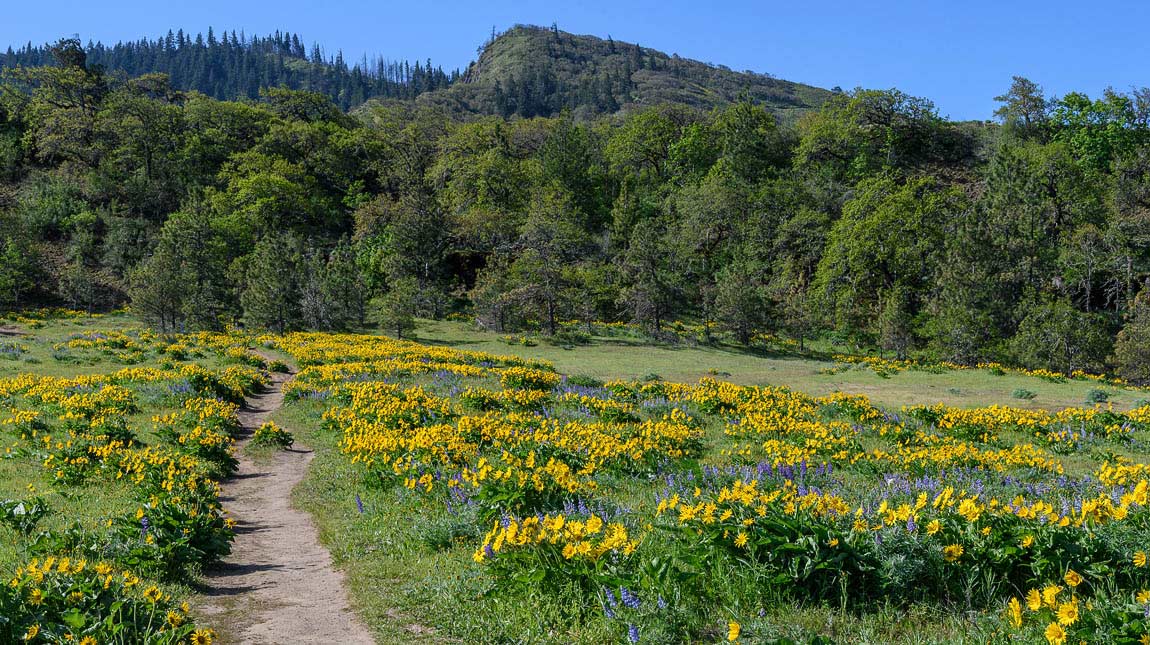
(871,221)
(526,71)
(531,71)
(231,66)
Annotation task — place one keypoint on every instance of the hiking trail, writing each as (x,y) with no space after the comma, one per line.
(278,586)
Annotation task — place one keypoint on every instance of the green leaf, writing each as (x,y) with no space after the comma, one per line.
(73,618)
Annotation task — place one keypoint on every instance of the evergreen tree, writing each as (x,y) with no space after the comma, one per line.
(157,290)
(650,289)
(1132,348)
(17,272)
(1056,336)
(742,304)
(396,309)
(270,291)
(894,324)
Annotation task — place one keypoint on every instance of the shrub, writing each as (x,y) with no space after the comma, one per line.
(525,378)
(1097,396)
(272,436)
(1023,393)
(62,600)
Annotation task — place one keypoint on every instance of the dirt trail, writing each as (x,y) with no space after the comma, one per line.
(278,585)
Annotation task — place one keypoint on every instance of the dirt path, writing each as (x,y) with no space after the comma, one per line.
(278,585)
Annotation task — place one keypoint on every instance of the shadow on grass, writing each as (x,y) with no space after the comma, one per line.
(638,343)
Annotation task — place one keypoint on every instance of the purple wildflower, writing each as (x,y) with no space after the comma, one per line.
(630,600)
(610,597)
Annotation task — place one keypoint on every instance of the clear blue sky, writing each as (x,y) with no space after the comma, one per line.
(958,53)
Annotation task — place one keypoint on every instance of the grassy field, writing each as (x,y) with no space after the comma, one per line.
(407,534)
(118,433)
(620,358)
(427,453)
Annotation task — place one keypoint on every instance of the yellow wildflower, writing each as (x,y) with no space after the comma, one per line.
(1072,578)
(1014,611)
(1055,635)
(952,552)
(1068,613)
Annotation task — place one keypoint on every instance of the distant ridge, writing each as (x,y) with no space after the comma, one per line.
(526,71)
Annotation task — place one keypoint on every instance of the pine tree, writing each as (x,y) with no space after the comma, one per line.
(16,273)
(396,309)
(1132,349)
(270,291)
(157,290)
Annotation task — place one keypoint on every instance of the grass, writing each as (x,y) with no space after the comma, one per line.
(22,476)
(628,359)
(408,558)
(410,585)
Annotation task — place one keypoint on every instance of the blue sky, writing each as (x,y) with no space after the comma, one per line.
(958,53)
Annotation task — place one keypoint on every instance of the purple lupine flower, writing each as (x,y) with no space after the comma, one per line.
(630,600)
(359,503)
(662,604)
(610,597)
(633,633)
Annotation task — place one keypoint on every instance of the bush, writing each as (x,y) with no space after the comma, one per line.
(525,378)
(52,600)
(569,337)
(269,435)
(1097,396)
(1023,393)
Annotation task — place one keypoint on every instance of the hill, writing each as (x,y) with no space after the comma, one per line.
(533,71)
(526,71)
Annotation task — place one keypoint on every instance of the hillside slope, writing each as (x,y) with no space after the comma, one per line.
(532,71)
(526,71)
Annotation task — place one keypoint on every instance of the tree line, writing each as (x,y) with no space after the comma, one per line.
(234,66)
(872,219)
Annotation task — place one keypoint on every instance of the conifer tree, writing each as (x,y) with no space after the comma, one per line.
(1132,348)
(270,290)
